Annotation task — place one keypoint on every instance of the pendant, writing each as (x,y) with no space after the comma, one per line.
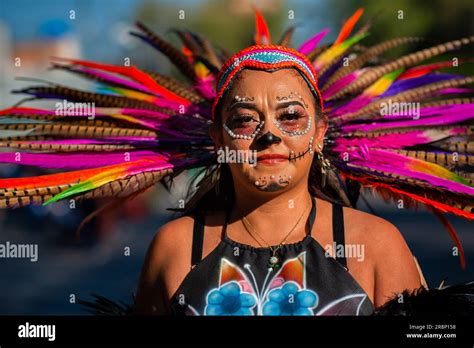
(274,262)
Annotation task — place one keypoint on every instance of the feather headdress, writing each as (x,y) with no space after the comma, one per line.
(148,126)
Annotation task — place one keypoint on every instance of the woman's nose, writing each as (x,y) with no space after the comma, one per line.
(268,139)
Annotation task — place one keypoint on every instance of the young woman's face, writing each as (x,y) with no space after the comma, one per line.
(283,100)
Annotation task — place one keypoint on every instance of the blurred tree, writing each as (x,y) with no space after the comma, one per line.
(228,24)
(439,20)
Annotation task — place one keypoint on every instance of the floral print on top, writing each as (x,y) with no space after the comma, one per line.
(284,293)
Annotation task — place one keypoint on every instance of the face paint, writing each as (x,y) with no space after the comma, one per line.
(245,126)
(242,99)
(283,180)
(310,150)
(276,170)
(285,130)
(291,96)
(268,139)
(245,129)
(292,122)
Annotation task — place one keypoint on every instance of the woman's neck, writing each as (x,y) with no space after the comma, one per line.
(272,215)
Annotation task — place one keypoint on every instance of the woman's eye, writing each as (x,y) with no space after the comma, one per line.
(290,117)
(243,119)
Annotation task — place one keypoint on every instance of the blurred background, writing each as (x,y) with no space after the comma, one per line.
(99,261)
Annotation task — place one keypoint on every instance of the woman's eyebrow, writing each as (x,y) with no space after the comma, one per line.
(246,105)
(282,105)
(253,106)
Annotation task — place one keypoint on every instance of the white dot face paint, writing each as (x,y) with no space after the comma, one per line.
(276,102)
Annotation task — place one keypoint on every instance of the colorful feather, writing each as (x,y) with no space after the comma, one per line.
(115,173)
(335,51)
(411,167)
(348,26)
(262,34)
(77,160)
(163,123)
(313,42)
(370,54)
(133,73)
(402,62)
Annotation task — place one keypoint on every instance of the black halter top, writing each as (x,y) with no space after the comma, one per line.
(236,279)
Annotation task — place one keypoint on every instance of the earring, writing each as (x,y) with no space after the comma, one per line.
(324,164)
(215,176)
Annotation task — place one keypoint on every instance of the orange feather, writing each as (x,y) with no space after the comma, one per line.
(348,26)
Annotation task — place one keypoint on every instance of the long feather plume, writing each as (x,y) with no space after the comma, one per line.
(148,127)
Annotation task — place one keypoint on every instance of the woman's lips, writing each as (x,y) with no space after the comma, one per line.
(271,159)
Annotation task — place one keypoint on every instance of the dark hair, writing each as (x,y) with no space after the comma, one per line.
(215,191)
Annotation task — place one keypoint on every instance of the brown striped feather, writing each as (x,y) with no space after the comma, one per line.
(468,130)
(105,100)
(415,94)
(371,53)
(457,200)
(286,37)
(459,147)
(10,198)
(125,187)
(177,87)
(65,129)
(65,147)
(174,55)
(373,74)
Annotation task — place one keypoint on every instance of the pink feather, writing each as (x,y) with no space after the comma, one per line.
(313,42)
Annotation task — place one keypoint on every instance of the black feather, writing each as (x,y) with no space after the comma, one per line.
(454,300)
(104,306)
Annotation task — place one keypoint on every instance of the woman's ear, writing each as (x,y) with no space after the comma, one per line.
(321,128)
(216,134)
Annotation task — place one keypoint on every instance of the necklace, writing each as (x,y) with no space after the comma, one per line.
(274,261)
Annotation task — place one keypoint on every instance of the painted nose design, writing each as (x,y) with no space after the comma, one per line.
(268,139)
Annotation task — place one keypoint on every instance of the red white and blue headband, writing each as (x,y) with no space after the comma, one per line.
(265,57)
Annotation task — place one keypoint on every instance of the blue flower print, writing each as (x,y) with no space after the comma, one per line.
(229,299)
(289,299)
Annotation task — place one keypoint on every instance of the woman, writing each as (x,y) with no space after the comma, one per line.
(272,251)
(272,233)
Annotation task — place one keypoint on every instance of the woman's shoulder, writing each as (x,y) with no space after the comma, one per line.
(369,226)
(359,223)
(383,241)
(174,235)
(177,227)
(177,234)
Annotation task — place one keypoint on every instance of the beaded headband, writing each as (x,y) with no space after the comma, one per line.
(266,57)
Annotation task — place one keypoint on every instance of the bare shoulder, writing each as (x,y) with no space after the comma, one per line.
(174,233)
(166,263)
(386,250)
(384,242)
(371,229)
(364,229)
(175,237)
(171,244)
